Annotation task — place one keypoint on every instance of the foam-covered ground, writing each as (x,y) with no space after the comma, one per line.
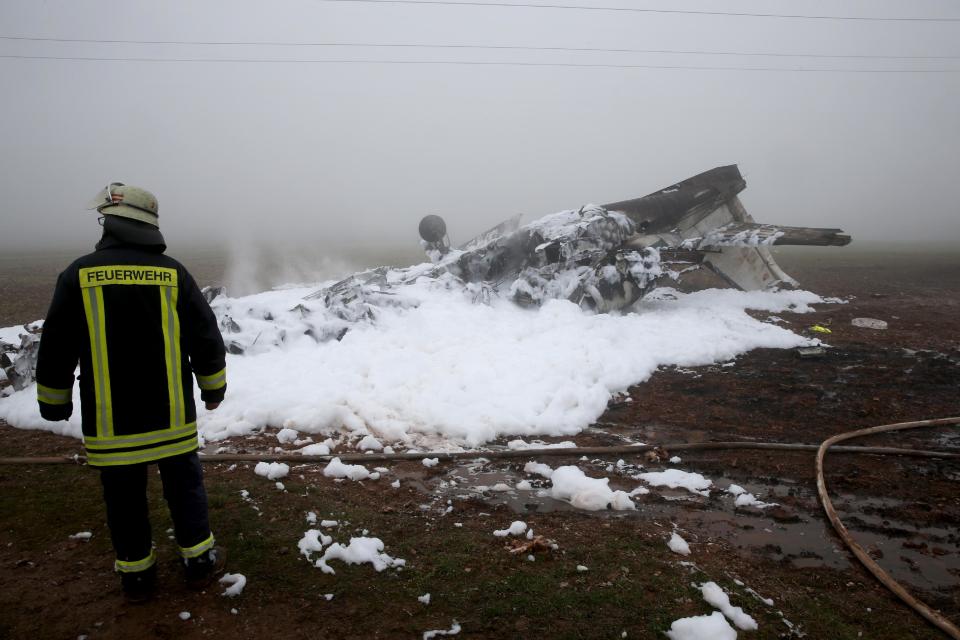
(443,371)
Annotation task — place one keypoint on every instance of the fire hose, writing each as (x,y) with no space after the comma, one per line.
(447,456)
(924,610)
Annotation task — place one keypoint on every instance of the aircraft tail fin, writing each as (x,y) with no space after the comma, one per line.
(748,268)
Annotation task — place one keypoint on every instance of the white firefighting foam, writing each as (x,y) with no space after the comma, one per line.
(432,367)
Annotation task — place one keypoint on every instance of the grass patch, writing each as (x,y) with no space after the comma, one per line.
(634,583)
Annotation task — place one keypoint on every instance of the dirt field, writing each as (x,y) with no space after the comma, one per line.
(905,511)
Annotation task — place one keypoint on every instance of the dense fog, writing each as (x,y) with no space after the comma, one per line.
(279,150)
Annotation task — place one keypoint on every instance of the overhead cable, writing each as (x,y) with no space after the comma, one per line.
(738,14)
(487,63)
(392,45)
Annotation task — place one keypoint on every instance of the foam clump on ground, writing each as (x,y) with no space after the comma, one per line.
(359,551)
(286,436)
(677,479)
(318,449)
(537,444)
(337,469)
(538,468)
(516,528)
(313,541)
(572,485)
(369,443)
(452,631)
(746,499)
(711,627)
(592,494)
(272,470)
(715,596)
(235,582)
(678,544)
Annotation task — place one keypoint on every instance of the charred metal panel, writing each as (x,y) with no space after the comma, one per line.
(507,226)
(662,210)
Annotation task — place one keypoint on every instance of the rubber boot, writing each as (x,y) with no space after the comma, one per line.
(205,568)
(139,586)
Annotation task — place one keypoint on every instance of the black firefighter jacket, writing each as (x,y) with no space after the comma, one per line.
(139,326)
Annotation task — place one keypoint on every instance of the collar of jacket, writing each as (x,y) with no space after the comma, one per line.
(118,232)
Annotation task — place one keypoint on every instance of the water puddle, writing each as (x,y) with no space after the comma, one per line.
(927,558)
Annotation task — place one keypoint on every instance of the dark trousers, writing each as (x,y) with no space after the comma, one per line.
(125,494)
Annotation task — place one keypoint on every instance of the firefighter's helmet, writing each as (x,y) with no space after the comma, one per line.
(118,199)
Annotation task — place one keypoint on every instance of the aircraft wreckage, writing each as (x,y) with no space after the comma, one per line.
(606,257)
(603,258)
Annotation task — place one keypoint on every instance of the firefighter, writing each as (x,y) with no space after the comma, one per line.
(140,328)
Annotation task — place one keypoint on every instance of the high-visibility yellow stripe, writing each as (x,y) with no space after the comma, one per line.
(52,395)
(127,274)
(213,381)
(139,439)
(88,308)
(170,322)
(167,354)
(96,327)
(198,549)
(102,336)
(177,363)
(97,459)
(138,565)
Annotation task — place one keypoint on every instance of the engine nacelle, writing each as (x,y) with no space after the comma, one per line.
(433,231)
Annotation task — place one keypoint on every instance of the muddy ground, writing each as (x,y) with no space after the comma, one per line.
(905,511)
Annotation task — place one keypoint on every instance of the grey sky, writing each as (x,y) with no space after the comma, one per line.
(338,154)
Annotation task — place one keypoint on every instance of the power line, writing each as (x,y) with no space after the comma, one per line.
(477,63)
(258,43)
(738,14)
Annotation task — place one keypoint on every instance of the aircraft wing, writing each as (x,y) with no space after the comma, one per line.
(752,234)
